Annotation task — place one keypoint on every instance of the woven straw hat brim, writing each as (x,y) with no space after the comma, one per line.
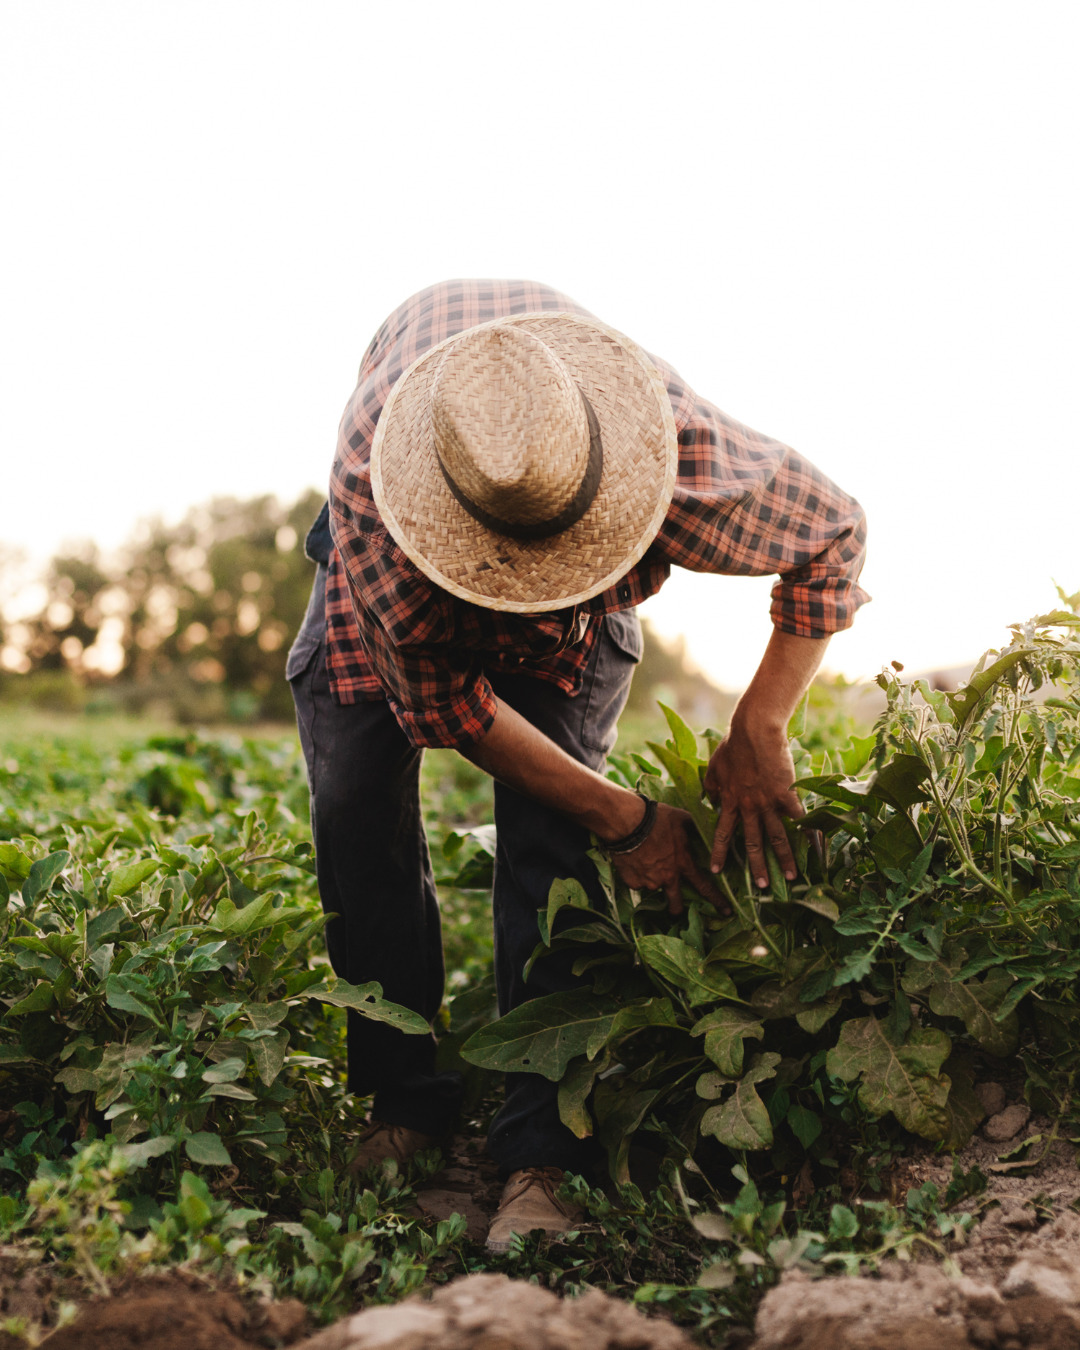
(490,569)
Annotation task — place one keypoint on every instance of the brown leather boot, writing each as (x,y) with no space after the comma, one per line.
(382,1140)
(528,1201)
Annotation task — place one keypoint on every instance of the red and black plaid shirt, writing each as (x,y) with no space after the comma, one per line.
(744,505)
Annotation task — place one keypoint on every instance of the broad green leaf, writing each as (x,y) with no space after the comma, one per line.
(686,969)
(543,1035)
(77,1080)
(897,844)
(227,1071)
(905,1078)
(263,1016)
(138,1155)
(620,1105)
(813,1016)
(37,1000)
(123,993)
(563,894)
(964,702)
(818,901)
(15,862)
(649,1012)
(899,782)
(805,1124)
(975,1002)
(367,1000)
(574,1089)
(42,875)
(268,1052)
(688,786)
(963,1110)
(686,746)
(206,1148)
(131,876)
(725,1030)
(742,1120)
(784,998)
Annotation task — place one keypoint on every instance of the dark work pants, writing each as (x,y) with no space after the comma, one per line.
(375,875)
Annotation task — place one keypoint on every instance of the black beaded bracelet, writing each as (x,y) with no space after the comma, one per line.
(639,834)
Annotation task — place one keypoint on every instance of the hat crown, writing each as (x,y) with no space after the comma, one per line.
(509,424)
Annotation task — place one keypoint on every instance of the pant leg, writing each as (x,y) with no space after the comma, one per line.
(536,845)
(374,875)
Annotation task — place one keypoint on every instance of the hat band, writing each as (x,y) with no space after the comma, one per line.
(571,512)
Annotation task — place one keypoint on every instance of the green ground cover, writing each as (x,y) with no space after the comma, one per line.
(171,1050)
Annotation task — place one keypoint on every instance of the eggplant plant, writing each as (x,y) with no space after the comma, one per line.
(935,919)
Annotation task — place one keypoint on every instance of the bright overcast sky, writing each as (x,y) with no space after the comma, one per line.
(853,226)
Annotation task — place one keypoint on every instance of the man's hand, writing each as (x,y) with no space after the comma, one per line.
(664,859)
(749,778)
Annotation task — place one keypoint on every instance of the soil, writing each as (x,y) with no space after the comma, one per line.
(1014,1282)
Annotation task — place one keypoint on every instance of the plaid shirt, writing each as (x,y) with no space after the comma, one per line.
(744,505)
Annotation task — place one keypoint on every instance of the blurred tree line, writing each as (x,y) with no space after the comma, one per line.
(193,621)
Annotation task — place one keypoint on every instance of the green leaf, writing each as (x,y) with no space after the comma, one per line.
(963,1110)
(805,1124)
(818,901)
(263,1016)
(77,1080)
(686,746)
(543,1035)
(227,1071)
(964,702)
(206,1148)
(131,876)
(975,1002)
(268,1052)
(897,844)
(125,994)
(15,862)
(138,1155)
(621,1105)
(679,964)
(742,1121)
(899,782)
(905,1079)
(687,782)
(42,875)
(367,1000)
(574,1089)
(649,1012)
(563,894)
(725,1031)
(37,1000)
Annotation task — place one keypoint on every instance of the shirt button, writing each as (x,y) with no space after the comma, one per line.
(624,593)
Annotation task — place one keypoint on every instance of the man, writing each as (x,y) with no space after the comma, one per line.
(512,478)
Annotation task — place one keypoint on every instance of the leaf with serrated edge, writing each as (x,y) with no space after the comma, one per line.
(742,1121)
(904,1079)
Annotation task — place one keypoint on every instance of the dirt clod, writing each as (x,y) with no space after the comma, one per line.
(1007,1124)
(491,1312)
(991,1097)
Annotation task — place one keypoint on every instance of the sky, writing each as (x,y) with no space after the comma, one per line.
(852,226)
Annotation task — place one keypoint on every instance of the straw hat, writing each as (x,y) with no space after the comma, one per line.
(526,464)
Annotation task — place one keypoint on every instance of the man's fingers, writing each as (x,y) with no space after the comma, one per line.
(755,851)
(674,897)
(706,888)
(781,845)
(725,829)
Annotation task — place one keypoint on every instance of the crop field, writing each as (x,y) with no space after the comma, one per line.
(816,1090)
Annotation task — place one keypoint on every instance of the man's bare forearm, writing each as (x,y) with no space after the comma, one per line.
(517,754)
(783,676)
